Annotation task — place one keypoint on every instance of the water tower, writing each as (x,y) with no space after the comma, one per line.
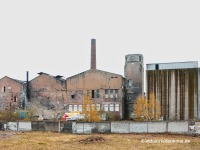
(134,74)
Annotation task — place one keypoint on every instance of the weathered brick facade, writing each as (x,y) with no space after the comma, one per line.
(47,95)
(12,94)
(106,90)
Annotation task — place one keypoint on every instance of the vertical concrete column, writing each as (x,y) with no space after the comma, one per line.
(172,97)
(186,115)
(178,98)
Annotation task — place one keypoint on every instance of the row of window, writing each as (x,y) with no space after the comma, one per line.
(3,89)
(109,93)
(105,107)
(112,93)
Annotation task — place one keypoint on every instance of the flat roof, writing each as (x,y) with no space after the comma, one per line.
(172,65)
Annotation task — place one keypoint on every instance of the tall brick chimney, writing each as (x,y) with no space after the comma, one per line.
(93,54)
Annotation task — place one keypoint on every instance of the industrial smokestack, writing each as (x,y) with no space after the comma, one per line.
(93,54)
(27,86)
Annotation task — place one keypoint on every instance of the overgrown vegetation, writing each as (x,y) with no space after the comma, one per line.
(147,109)
(9,115)
(52,141)
(90,110)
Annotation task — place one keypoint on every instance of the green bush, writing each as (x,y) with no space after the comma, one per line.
(8,115)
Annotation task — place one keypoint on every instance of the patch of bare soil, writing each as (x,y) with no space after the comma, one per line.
(6,134)
(92,139)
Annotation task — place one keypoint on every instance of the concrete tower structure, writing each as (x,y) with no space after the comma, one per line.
(134,74)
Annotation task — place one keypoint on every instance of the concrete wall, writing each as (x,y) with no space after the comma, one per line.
(157,127)
(138,127)
(178,127)
(120,127)
(38,126)
(87,128)
(12,126)
(51,126)
(194,127)
(24,126)
(67,126)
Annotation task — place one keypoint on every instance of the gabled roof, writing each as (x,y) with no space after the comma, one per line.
(18,81)
(95,70)
(58,77)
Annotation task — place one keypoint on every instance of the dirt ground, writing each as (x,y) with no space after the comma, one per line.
(62,141)
(7,134)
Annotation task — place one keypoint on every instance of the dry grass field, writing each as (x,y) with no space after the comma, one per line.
(61,141)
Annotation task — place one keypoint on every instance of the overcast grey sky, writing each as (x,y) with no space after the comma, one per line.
(54,36)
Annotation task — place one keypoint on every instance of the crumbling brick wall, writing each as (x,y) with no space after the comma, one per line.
(11,94)
(48,95)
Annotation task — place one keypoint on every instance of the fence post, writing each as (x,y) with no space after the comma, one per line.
(147,126)
(5,126)
(18,125)
(59,126)
(83,128)
(167,126)
(110,127)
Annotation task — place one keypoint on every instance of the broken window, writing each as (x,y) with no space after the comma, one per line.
(140,58)
(15,98)
(111,93)
(116,93)
(73,96)
(111,107)
(92,93)
(157,66)
(116,107)
(3,89)
(97,94)
(106,93)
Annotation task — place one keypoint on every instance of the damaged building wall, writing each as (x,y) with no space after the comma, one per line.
(176,89)
(47,95)
(106,90)
(12,93)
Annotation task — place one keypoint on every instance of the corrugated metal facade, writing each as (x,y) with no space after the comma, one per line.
(177,90)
